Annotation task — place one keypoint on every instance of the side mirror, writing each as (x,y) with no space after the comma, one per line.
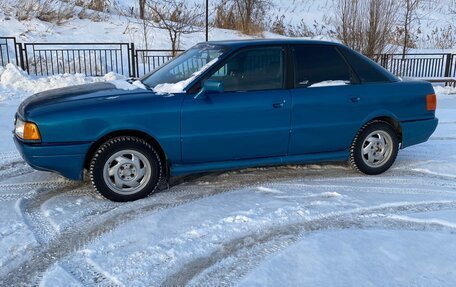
(210,86)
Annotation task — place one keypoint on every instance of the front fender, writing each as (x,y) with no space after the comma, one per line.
(89,121)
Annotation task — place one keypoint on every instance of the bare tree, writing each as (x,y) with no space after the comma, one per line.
(366,25)
(408,18)
(176,17)
(142,9)
(225,16)
(249,10)
(137,23)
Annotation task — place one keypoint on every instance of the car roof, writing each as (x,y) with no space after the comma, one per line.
(264,42)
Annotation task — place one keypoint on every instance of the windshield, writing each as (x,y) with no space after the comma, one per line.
(180,71)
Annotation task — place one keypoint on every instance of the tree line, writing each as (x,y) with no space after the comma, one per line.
(368,26)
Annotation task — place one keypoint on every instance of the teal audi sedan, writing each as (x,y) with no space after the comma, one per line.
(227,105)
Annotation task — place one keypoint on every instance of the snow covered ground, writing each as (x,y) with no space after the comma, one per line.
(316,225)
(112,29)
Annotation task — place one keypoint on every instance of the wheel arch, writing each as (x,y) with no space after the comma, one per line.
(134,133)
(388,118)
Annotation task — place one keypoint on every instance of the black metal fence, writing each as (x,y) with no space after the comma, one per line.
(148,60)
(424,65)
(97,59)
(89,59)
(8,52)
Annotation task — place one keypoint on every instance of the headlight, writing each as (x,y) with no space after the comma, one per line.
(27,130)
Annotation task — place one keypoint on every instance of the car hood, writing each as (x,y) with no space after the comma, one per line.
(93,91)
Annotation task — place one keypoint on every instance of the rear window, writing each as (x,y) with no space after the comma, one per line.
(319,64)
(367,72)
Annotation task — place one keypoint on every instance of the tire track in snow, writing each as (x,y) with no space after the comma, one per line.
(44,231)
(16,196)
(9,155)
(393,176)
(18,172)
(12,164)
(70,241)
(15,191)
(92,228)
(232,269)
(363,189)
(244,253)
(87,274)
(31,209)
(13,169)
(27,186)
(442,138)
(447,178)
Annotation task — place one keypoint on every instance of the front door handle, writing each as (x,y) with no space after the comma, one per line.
(355,99)
(277,105)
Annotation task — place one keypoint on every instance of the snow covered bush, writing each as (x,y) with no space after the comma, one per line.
(245,16)
(54,11)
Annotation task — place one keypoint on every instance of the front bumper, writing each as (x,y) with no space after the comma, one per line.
(65,159)
(415,132)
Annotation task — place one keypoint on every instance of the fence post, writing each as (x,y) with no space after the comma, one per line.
(452,68)
(132,60)
(385,61)
(20,52)
(447,71)
(15,50)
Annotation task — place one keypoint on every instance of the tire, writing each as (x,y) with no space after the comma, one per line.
(374,148)
(125,168)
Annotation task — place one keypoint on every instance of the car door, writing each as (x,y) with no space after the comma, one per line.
(328,106)
(250,119)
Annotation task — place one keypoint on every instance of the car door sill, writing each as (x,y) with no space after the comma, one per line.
(180,169)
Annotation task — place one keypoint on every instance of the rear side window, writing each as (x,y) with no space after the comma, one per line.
(319,64)
(366,71)
(252,69)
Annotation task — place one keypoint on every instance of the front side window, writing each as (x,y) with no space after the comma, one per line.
(252,69)
(186,66)
(319,66)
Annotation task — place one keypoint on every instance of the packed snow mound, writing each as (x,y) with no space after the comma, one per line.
(15,83)
(445,91)
(124,85)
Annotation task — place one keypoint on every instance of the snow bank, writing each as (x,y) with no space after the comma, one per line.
(167,88)
(17,84)
(329,84)
(445,91)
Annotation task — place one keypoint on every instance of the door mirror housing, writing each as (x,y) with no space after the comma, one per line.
(210,86)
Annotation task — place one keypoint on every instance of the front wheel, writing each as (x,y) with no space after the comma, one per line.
(374,149)
(125,168)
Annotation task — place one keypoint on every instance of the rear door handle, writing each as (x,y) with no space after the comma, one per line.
(277,105)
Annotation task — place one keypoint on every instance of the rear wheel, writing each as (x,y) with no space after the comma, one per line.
(375,148)
(125,168)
